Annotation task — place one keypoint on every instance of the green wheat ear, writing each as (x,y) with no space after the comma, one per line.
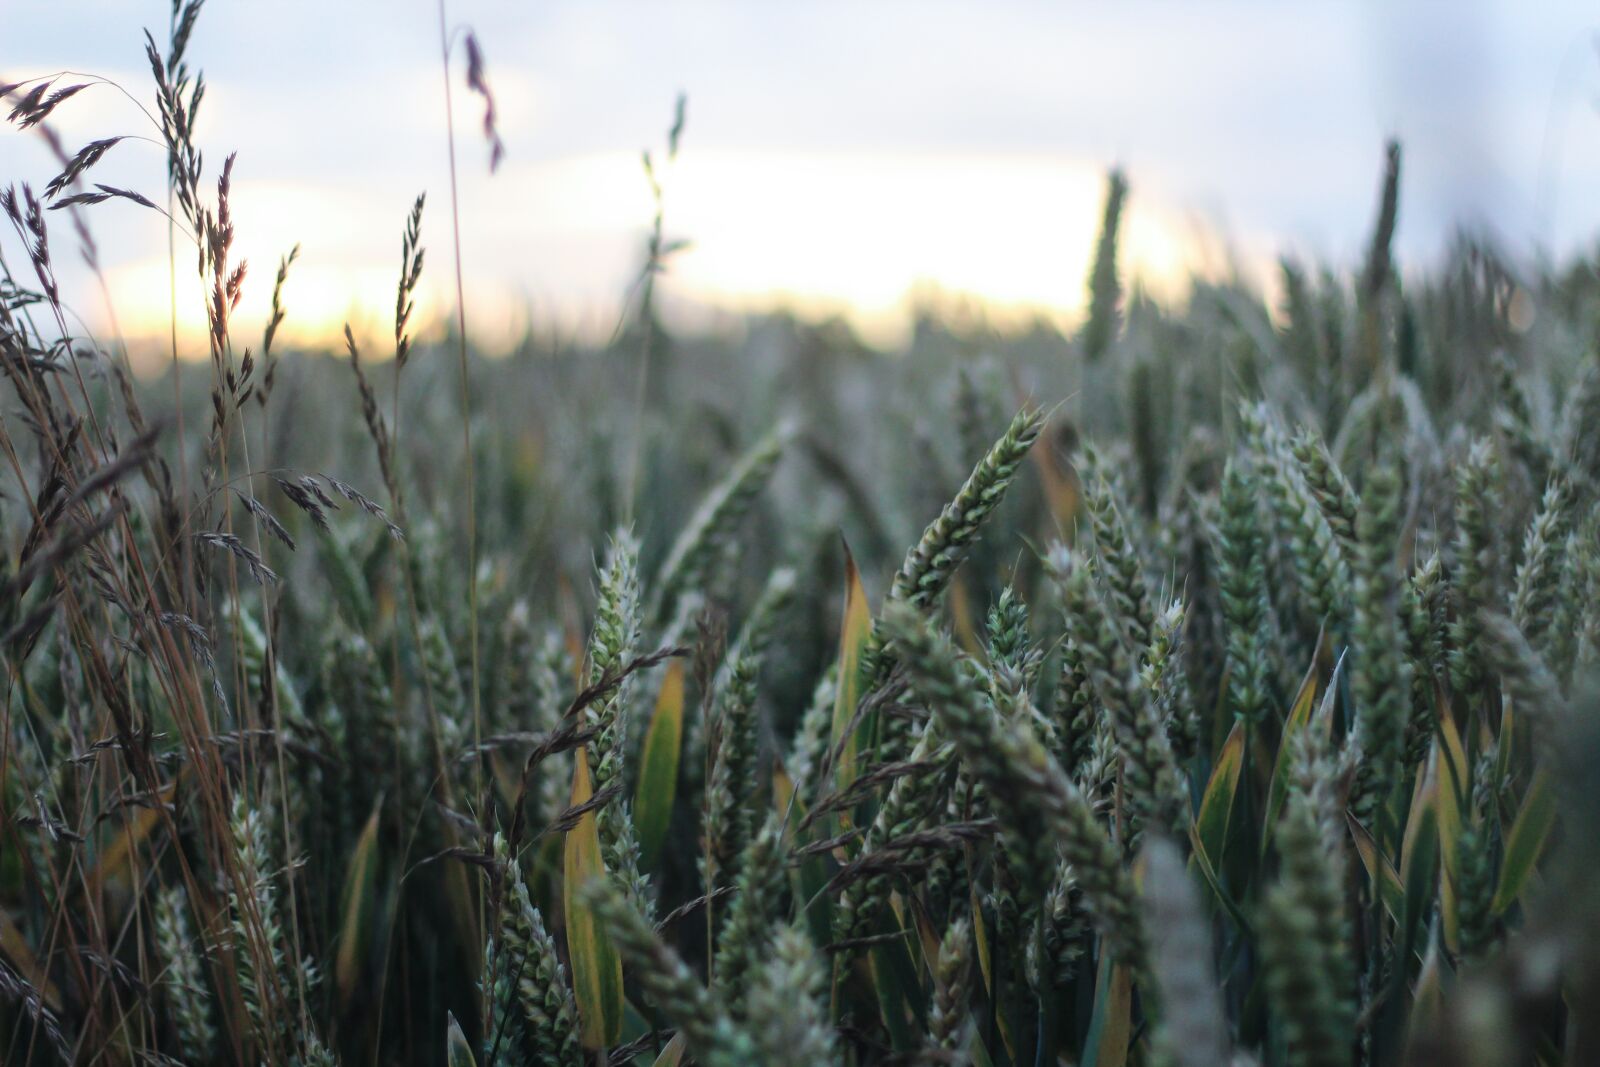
(1305,933)
(1156,794)
(1104,289)
(1024,784)
(184,979)
(1380,675)
(929,566)
(949,1028)
(1243,579)
(1477,563)
(531,1001)
(712,527)
(926,572)
(612,644)
(1191,1030)
(787,1013)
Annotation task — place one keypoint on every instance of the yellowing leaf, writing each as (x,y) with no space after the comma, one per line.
(1111,1026)
(1389,888)
(119,850)
(596,967)
(1060,490)
(855,630)
(658,767)
(672,1054)
(961,617)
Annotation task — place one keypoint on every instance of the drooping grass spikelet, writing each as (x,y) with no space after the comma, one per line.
(1025,786)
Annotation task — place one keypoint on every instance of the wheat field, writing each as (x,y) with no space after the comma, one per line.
(1212,684)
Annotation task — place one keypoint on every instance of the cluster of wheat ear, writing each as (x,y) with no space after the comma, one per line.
(1240,708)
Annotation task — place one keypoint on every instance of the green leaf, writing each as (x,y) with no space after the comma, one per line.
(355,905)
(980,937)
(1419,860)
(1198,861)
(810,876)
(891,971)
(457,1052)
(1525,843)
(1508,741)
(1216,804)
(596,967)
(658,768)
(855,631)
(1299,716)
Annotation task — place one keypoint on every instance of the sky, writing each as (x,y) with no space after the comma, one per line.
(838,157)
